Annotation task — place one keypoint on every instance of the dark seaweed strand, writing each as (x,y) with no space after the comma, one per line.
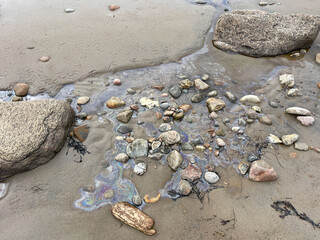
(77,146)
(286,209)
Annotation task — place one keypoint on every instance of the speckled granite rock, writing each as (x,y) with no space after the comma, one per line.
(259,33)
(31,133)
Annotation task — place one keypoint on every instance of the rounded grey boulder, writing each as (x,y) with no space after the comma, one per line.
(32,133)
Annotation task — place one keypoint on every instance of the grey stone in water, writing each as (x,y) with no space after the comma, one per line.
(165,149)
(164,105)
(226,120)
(175,91)
(230,97)
(301,146)
(32,133)
(81,115)
(259,33)
(205,77)
(250,99)
(138,148)
(124,129)
(242,122)
(140,122)
(165,127)
(198,97)
(273,104)
(174,160)
(197,141)
(136,200)
(289,139)
(184,188)
(175,147)
(265,120)
(186,146)
(212,93)
(131,91)
(125,116)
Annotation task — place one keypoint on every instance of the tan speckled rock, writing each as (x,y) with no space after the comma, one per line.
(31,133)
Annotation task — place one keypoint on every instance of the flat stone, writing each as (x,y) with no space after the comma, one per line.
(83,100)
(124,129)
(121,157)
(306,121)
(298,111)
(69,10)
(301,146)
(170,137)
(184,188)
(185,107)
(252,114)
(230,97)
(32,133)
(260,34)
(251,99)
(165,127)
(148,103)
(215,104)
(220,142)
(289,139)
(243,168)
(16,99)
(191,173)
(125,116)
(199,84)
(273,104)
(287,80)
(138,148)
(198,97)
(261,171)
(175,91)
(164,105)
(115,102)
(21,89)
(253,157)
(273,139)
(294,92)
(211,177)
(186,146)
(140,168)
(174,160)
(81,132)
(265,120)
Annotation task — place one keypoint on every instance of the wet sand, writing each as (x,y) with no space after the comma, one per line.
(40,203)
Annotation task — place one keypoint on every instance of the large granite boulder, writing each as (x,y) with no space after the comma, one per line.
(31,133)
(259,33)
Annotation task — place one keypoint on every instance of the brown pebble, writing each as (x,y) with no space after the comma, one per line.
(216,153)
(117,82)
(88,117)
(151,140)
(21,89)
(158,87)
(206,145)
(158,115)
(79,108)
(134,107)
(166,119)
(44,59)
(186,107)
(194,111)
(164,95)
(129,139)
(318,84)
(113,7)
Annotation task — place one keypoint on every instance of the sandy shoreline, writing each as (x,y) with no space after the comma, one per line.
(40,203)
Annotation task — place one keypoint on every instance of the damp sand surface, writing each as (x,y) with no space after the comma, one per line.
(40,203)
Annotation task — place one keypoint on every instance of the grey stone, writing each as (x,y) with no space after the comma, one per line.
(198,97)
(301,146)
(273,104)
(3,189)
(164,105)
(170,137)
(287,80)
(31,133)
(138,148)
(186,146)
(121,157)
(174,160)
(230,97)
(124,129)
(131,91)
(125,116)
(155,156)
(140,168)
(136,200)
(175,91)
(211,177)
(212,93)
(298,111)
(259,33)
(184,188)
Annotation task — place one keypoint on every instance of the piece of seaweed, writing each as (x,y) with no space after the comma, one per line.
(286,209)
(77,146)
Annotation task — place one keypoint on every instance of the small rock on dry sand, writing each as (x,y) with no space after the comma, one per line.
(21,89)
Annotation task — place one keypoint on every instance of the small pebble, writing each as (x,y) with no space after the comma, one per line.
(117,82)
(211,177)
(69,10)
(44,59)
